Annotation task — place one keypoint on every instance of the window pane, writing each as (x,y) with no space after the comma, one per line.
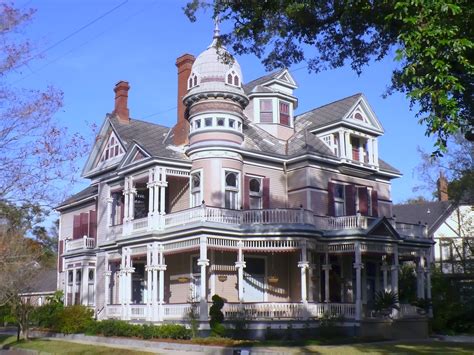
(339,191)
(231,123)
(254,185)
(231,199)
(255,202)
(231,179)
(339,208)
(266,117)
(208,121)
(266,105)
(220,121)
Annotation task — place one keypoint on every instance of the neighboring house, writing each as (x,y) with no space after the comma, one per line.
(450,225)
(284,216)
(44,285)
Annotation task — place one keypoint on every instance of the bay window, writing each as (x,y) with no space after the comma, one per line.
(284,113)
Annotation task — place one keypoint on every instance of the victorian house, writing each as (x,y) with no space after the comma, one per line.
(285,216)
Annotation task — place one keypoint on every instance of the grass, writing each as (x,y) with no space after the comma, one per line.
(44,346)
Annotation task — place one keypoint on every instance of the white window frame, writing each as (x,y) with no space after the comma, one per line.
(224,188)
(192,199)
(259,194)
(111,148)
(290,116)
(340,199)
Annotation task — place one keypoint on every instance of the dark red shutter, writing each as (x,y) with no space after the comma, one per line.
(350,200)
(375,204)
(266,192)
(246,192)
(84,224)
(122,208)
(76,232)
(92,224)
(60,255)
(363,194)
(331,208)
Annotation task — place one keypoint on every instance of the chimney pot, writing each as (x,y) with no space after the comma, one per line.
(121,101)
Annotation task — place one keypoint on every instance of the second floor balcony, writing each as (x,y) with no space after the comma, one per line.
(256,219)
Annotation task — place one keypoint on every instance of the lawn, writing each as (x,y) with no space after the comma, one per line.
(45,346)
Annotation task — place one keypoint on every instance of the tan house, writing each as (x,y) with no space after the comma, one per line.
(285,216)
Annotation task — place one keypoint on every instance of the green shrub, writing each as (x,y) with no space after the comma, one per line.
(120,328)
(216,316)
(74,319)
(172,331)
(47,315)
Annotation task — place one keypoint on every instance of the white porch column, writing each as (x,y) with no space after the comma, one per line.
(74,287)
(420,277)
(375,151)
(161,268)
(341,148)
(326,267)
(347,143)
(109,201)
(370,150)
(311,276)
(303,265)
(163,185)
(358,267)
(84,285)
(203,262)
(385,267)
(428,289)
(126,211)
(133,192)
(240,265)
(108,274)
(149,283)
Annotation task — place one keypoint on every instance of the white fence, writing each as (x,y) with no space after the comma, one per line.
(82,243)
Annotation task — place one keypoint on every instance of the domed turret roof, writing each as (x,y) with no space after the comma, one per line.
(211,69)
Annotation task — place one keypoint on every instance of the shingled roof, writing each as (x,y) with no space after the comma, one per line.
(249,87)
(154,138)
(89,191)
(431,213)
(326,114)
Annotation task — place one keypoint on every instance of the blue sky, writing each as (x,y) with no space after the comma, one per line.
(140,41)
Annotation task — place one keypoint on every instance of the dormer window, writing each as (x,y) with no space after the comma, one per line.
(233,78)
(284,113)
(266,111)
(112,149)
(192,81)
(332,141)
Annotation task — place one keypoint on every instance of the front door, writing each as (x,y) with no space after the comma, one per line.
(254,279)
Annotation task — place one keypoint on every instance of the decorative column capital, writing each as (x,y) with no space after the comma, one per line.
(203,262)
(327,267)
(240,264)
(303,264)
(161,267)
(108,273)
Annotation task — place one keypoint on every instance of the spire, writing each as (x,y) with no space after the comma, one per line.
(217,32)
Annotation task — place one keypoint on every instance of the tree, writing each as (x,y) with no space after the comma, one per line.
(432,42)
(37,154)
(456,165)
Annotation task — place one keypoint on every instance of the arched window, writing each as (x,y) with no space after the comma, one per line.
(233,78)
(196,198)
(255,193)
(358,116)
(193,80)
(231,190)
(236,81)
(229,78)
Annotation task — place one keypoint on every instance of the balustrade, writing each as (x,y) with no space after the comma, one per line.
(79,244)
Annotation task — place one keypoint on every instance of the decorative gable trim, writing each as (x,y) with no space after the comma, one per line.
(94,164)
(361,114)
(383,228)
(135,153)
(286,77)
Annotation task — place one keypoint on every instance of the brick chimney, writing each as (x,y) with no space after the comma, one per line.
(442,188)
(181,129)
(121,101)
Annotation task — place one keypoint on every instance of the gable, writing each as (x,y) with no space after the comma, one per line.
(285,77)
(383,228)
(361,115)
(134,154)
(107,151)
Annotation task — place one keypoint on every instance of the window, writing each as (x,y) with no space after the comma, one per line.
(197,124)
(69,277)
(332,141)
(208,121)
(339,200)
(192,81)
(231,123)
(233,78)
(116,215)
(220,121)
(231,190)
(358,116)
(196,198)
(112,149)
(266,111)
(284,113)
(255,193)
(141,204)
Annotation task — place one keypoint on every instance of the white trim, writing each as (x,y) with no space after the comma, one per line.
(224,170)
(201,185)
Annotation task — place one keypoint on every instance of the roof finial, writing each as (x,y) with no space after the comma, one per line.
(217,32)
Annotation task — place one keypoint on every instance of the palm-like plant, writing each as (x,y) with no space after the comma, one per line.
(386,301)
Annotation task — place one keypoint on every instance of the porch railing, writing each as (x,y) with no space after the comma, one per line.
(177,311)
(408,310)
(411,230)
(342,222)
(138,311)
(82,243)
(113,311)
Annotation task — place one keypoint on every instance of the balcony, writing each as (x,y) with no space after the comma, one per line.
(291,217)
(80,244)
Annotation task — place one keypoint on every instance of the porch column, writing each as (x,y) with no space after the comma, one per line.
(203,262)
(341,147)
(395,268)
(163,185)
(109,201)
(107,274)
(126,211)
(420,277)
(358,267)
(122,283)
(151,189)
(428,289)
(303,265)
(133,192)
(385,268)
(154,289)
(240,265)
(347,140)
(74,287)
(326,267)
(370,151)
(149,284)
(161,268)
(311,274)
